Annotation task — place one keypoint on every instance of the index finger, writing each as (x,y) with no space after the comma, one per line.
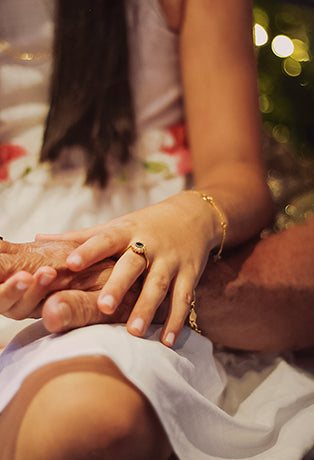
(80,235)
(98,247)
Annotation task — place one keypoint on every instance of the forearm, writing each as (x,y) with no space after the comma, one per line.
(241,193)
(223,117)
(261,296)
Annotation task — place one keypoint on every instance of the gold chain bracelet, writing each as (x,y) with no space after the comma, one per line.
(223,223)
(193,316)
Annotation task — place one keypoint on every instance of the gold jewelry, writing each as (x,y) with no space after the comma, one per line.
(139,248)
(223,223)
(193,316)
(5,47)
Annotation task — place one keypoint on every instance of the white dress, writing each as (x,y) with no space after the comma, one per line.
(212,406)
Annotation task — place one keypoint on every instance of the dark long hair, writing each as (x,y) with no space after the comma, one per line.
(91,103)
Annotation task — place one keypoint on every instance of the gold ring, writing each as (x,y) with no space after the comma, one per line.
(139,248)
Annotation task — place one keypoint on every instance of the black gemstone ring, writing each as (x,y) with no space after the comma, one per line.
(139,248)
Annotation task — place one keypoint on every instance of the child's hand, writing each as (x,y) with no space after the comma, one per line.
(178,234)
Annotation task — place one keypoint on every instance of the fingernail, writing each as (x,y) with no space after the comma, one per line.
(46,279)
(74,259)
(138,324)
(170,339)
(107,301)
(21,286)
(65,313)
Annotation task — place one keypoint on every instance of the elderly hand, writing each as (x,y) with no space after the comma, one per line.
(31,272)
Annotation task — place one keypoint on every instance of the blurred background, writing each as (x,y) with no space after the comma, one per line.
(284,40)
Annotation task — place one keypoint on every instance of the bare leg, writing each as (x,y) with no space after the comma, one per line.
(82,408)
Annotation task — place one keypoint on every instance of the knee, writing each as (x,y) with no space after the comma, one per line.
(88,416)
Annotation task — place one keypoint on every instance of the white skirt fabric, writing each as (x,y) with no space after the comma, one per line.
(208,414)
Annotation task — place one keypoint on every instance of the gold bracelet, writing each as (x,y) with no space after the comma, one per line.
(193,316)
(223,223)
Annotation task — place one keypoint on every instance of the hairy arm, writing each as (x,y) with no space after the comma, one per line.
(261,295)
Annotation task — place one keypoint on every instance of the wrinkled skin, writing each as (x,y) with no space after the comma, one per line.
(31,256)
(78,289)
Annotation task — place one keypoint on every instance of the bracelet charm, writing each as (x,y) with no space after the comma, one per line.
(193,316)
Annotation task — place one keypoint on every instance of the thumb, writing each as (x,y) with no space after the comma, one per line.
(67,310)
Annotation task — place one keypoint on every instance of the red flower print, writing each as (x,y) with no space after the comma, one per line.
(180,148)
(9,153)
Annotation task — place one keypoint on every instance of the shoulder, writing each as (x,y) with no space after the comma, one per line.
(173,12)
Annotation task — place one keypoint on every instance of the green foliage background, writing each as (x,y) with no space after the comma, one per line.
(287,102)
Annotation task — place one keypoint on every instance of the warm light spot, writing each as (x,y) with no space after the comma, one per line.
(282,46)
(261,17)
(292,67)
(290,210)
(260,35)
(274,184)
(281,134)
(266,105)
(300,52)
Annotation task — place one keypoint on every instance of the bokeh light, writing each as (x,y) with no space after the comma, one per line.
(291,67)
(261,17)
(286,88)
(265,103)
(260,35)
(301,51)
(282,46)
(281,133)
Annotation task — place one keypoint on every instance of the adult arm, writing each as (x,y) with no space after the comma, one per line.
(261,295)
